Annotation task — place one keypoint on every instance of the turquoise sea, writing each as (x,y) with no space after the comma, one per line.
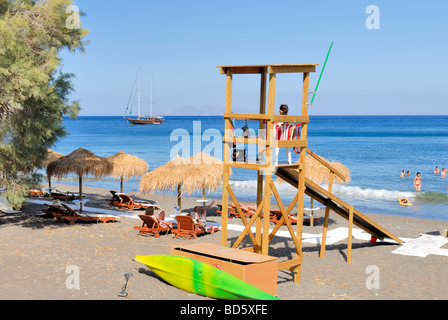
(375,149)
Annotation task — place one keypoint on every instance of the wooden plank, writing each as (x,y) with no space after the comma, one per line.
(327,217)
(282,219)
(260,173)
(240,212)
(226,156)
(291,143)
(306,68)
(350,233)
(261,142)
(254,69)
(285,217)
(290,264)
(302,177)
(247,116)
(247,227)
(242,69)
(266,214)
(291,119)
(251,140)
(267,117)
(246,165)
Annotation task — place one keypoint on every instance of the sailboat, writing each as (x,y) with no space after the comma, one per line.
(140,120)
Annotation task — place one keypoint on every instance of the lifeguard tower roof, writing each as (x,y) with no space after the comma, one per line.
(271,68)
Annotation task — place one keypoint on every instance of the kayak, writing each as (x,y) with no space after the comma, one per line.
(404,202)
(200,278)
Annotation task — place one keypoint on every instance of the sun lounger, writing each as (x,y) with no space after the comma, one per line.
(202,210)
(55,209)
(65,196)
(152,225)
(188,227)
(123,201)
(276,216)
(75,216)
(38,193)
(248,211)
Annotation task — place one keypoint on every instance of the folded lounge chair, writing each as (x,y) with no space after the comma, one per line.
(152,225)
(75,215)
(188,227)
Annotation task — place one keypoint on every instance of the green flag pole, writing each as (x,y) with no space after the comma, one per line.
(322,72)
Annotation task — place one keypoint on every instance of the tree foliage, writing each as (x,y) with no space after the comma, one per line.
(34,92)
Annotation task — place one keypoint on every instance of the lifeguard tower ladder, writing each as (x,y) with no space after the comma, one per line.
(293,174)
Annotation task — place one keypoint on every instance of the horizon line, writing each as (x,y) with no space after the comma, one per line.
(317,115)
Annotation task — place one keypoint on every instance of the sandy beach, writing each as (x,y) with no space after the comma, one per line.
(37,256)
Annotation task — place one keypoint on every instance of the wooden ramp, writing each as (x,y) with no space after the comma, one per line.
(335,204)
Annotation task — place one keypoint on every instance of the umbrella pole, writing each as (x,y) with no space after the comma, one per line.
(121,184)
(179,195)
(80,193)
(203,193)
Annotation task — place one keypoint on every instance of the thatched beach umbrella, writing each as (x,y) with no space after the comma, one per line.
(81,162)
(319,174)
(126,166)
(199,172)
(52,156)
(213,168)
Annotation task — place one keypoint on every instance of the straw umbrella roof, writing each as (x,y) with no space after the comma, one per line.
(319,174)
(195,173)
(126,166)
(81,162)
(51,156)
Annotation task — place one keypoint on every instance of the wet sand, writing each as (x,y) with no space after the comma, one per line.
(37,256)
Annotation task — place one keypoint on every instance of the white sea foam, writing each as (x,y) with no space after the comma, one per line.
(338,190)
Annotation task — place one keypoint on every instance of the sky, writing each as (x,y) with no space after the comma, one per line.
(399,67)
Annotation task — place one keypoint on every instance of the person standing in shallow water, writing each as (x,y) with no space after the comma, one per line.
(417,182)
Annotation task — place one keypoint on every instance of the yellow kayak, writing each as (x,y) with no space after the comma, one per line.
(200,278)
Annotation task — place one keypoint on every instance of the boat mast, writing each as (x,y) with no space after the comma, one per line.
(150,101)
(139,89)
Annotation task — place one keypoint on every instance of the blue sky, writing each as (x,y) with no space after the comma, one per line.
(400,68)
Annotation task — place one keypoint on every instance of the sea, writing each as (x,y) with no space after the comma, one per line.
(374,148)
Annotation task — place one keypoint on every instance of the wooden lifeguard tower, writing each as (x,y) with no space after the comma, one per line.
(293,174)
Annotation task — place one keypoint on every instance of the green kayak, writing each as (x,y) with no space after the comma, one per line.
(202,279)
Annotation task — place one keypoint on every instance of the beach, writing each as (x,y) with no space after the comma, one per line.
(39,256)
